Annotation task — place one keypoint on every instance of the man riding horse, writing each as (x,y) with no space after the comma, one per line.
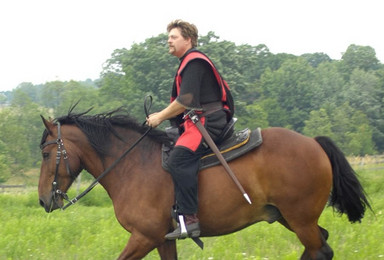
(197,87)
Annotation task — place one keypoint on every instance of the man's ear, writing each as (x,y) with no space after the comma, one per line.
(189,40)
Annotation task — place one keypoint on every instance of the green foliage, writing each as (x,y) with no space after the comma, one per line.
(315,59)
(328,84)
(14,139)
(20,127)
(256,117)
(5,170)
(318,123)
(348,127)
(291,88)
(146,68)
(360,57)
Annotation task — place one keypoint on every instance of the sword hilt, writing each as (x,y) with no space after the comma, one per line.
(192,115)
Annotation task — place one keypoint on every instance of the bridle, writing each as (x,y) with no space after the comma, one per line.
(61,151)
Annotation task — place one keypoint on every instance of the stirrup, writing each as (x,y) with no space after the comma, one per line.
(177,234)
(183,231)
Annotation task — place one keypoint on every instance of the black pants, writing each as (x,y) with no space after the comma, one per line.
(184,166)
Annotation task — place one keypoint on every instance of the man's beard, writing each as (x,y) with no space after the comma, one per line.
(171,50)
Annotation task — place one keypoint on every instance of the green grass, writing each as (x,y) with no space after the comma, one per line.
(89,230)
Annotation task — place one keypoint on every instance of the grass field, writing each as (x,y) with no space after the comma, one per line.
(89,230)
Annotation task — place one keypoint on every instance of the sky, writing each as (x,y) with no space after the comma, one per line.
(47,40)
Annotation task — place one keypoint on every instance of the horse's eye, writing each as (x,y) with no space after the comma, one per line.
(45,155)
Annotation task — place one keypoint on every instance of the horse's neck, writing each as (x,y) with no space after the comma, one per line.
(141,165)
(96,164)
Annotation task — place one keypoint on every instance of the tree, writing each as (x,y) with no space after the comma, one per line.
(24,130)
(31,90)
(318,123)
(146,68)
(315,59)
(361,136)
(351,130)
(378,123)
(328,85)
(16,144)
(5,169)
(276,115)
(255,117)
(51,94)
(291,88)
(365,93)
(75,92)
(360,57)
(3,99)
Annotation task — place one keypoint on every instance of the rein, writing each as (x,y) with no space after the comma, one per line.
(96,181)
(62,151)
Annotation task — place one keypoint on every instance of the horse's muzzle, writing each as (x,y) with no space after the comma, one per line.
(49,204)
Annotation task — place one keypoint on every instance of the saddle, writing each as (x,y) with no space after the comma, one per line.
(233,147)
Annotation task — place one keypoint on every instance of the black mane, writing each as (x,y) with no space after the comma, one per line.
(98,128)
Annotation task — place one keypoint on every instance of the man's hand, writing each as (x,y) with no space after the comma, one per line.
(174,109)
(153,120)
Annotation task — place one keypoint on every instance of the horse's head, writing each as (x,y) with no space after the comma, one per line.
(59,168)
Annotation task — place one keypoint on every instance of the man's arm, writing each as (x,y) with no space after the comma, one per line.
(172,110)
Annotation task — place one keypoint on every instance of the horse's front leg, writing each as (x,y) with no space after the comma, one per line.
(168,251)
(138,247)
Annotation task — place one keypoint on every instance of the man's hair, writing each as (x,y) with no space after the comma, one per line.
(187,30)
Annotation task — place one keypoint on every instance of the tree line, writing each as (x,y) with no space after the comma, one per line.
(311,94)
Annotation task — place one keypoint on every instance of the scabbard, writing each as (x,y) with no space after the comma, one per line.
(208,139)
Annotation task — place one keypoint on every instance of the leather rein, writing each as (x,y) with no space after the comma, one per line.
(62,152)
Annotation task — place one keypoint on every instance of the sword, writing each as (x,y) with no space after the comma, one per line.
(195,119)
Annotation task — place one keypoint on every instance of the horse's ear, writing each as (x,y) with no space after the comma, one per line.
(48,124)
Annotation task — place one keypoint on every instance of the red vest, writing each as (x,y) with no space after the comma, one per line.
(222,83)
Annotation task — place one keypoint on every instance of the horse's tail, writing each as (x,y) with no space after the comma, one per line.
(348,196)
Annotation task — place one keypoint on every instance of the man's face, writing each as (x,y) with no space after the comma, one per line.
(178,45)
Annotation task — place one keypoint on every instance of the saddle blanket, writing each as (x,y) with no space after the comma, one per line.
(238,144)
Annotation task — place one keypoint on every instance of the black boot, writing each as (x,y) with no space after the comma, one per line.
(192,226)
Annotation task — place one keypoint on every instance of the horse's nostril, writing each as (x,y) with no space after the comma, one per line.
(42,203)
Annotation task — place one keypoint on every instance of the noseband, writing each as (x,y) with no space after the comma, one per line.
(61,151)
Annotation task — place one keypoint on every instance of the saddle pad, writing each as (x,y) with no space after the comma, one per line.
(238,144)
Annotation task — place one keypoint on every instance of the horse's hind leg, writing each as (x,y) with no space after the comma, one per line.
(313,237)
(323,231)
(325,251)
(283,222)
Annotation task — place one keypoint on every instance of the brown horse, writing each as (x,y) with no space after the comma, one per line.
(289,179)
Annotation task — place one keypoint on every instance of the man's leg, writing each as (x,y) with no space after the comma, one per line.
(184,166)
